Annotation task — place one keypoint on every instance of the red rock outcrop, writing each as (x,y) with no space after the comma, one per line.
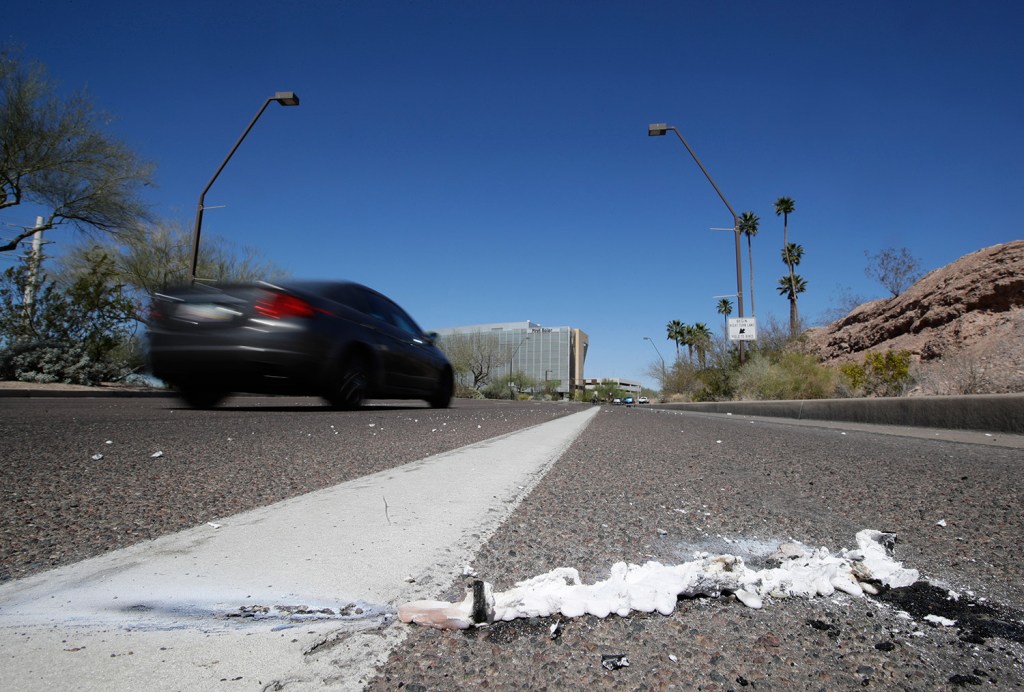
(974,306)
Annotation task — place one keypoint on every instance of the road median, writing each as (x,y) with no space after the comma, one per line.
(985,412)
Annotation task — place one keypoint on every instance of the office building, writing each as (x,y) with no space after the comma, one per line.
(544,354)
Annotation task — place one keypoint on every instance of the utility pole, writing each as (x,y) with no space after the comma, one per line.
(34,260)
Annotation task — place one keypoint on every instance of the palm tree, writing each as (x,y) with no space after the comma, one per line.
(675,330)
(725,309)
(791,255)
(688,341)
(748,227)
(701,341)
(791,286)
(784,206)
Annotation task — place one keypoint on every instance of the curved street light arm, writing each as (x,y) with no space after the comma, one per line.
(659,129)
(285,98)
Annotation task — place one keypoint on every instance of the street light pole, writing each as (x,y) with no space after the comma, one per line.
(659,129)
(663,375)
(285,98)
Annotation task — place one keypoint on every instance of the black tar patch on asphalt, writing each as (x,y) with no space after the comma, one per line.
(976,621)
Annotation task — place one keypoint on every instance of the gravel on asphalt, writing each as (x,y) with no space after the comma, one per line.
(74,486)
(643,485)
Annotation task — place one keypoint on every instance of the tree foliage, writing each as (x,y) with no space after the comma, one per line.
(748,225)
(505,387)
(162,256)
(784,375)
(607,390)
(895,268)
(76,330)
(724,308)
(882,374)
(791,256)
(475,357)
(55,156)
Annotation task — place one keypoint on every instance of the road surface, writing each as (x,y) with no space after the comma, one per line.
(257,519)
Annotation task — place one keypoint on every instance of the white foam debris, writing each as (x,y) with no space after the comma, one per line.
(651,587)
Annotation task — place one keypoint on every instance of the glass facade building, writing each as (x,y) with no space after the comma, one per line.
(545,354)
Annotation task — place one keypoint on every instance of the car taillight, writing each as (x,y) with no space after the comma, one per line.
(281,306)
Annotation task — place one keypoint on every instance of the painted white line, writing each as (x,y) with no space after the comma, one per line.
(221,603)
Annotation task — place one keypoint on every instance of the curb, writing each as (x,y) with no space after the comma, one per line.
(1002,413)
(30,393)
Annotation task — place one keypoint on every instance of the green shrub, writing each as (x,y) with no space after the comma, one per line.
(49,362)
(80,330)
(463,391)
(882,374)
(784,376)
(888,372)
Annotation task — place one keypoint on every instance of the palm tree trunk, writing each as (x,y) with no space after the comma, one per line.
(750,256)
(793,317)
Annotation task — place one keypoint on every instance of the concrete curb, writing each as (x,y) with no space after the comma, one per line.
(985,412)
(30,393)
(988,412)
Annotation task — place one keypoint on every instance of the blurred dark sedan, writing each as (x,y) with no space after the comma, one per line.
(337,340)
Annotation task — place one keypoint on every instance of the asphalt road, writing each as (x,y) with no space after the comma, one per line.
(637,484)
(61,504)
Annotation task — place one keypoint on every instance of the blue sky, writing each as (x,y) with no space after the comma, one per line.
(489,161)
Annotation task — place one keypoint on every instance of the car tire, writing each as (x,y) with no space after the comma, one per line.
(442,398)
(201,397)
(351,384)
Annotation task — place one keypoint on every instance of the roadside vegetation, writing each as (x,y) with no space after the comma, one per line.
(77,318)
(774,368)
(708,367)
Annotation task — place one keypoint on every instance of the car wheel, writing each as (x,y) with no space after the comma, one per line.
(443,396)
(351,384)
(201,397)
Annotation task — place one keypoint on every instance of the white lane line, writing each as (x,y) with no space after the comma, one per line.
(153,615)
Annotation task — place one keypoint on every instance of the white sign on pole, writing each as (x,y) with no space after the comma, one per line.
(742,329)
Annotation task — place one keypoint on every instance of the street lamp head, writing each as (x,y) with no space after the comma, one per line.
(657,129)
(286,98)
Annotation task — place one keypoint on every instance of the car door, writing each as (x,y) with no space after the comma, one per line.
(422,364)
(395,344)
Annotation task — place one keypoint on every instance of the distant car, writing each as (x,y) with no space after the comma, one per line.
(338,340)
(643,400)
(628,401)
(616,401)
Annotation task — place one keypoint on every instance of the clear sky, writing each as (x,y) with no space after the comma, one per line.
(484,161)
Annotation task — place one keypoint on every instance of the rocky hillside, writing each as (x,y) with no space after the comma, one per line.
(963,324)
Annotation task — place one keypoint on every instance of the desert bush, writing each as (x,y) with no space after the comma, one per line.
(464,391)
(81,331)
(682,381)
(784,376)
(717,385)
(882,374)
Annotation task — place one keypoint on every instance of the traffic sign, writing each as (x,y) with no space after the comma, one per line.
(742,329)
